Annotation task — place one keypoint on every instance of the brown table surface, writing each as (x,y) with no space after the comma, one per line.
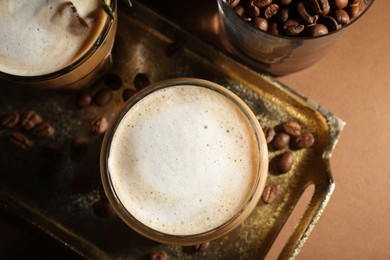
(352,82)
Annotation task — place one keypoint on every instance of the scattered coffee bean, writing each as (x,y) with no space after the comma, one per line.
(102,208)
(141,81)
(79,145)
(30,118)
(53,151)
(292,127)
(305,140)
(159,255)
(103,96)
(99,125)
(113,81)
(280,141)
(84,100)
(20,140)
(128,93)
(284,162)
(202,247)
(269,133)
(43,129)
(10,120)
(283,2)
(270,193)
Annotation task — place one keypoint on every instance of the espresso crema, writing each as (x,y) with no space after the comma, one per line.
(184,160)
(39,37)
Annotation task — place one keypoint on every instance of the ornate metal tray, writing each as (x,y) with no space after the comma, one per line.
(58,197)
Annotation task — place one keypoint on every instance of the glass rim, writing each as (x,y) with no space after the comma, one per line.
(192,239)
(75,64)
(292,38)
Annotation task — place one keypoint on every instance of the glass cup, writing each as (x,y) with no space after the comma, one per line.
(82,71)
(188,177)
(275,54)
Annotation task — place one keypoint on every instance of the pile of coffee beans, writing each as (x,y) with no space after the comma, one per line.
(305,18)
(283,140)
(25,127)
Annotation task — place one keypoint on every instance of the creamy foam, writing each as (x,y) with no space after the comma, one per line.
(183,160)
(38,37)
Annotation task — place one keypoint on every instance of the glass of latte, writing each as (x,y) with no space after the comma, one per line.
(55,44)
(184,162)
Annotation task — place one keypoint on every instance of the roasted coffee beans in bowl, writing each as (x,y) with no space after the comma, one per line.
(285,36)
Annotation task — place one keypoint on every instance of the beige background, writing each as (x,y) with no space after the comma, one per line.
(353,82)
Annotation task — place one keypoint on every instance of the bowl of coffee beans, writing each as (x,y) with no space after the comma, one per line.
(285,36)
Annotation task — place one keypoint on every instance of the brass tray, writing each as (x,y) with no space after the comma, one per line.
(51,202)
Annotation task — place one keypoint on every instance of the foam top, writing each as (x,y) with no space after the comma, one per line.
(38,37)
(183,160)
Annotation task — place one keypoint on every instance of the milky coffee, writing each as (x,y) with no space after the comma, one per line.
(183,160)
(39,37)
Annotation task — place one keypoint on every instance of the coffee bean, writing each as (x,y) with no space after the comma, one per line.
(43,129)
(102,208)
(270,11)
(293,28)
(283,2)
(305,140)
(317,30)
(280,141)
(261,3)
(353,10)
(20,140)
(270,193)
(53,151)
(269,133)
(341,17)
(330,23)
(304,14)
(128,93)
(252,10)
(99,125)
(141,81)
(233,3)
(79,145)
(113,81)
(84,100)
(159,255)
(283,15)
(273,28)
(103,96)
(338,4)
(260,23)
(202,247)
(10,120)
(240,10)
(320,7)
(284,162)
(292,127)
(30,118)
